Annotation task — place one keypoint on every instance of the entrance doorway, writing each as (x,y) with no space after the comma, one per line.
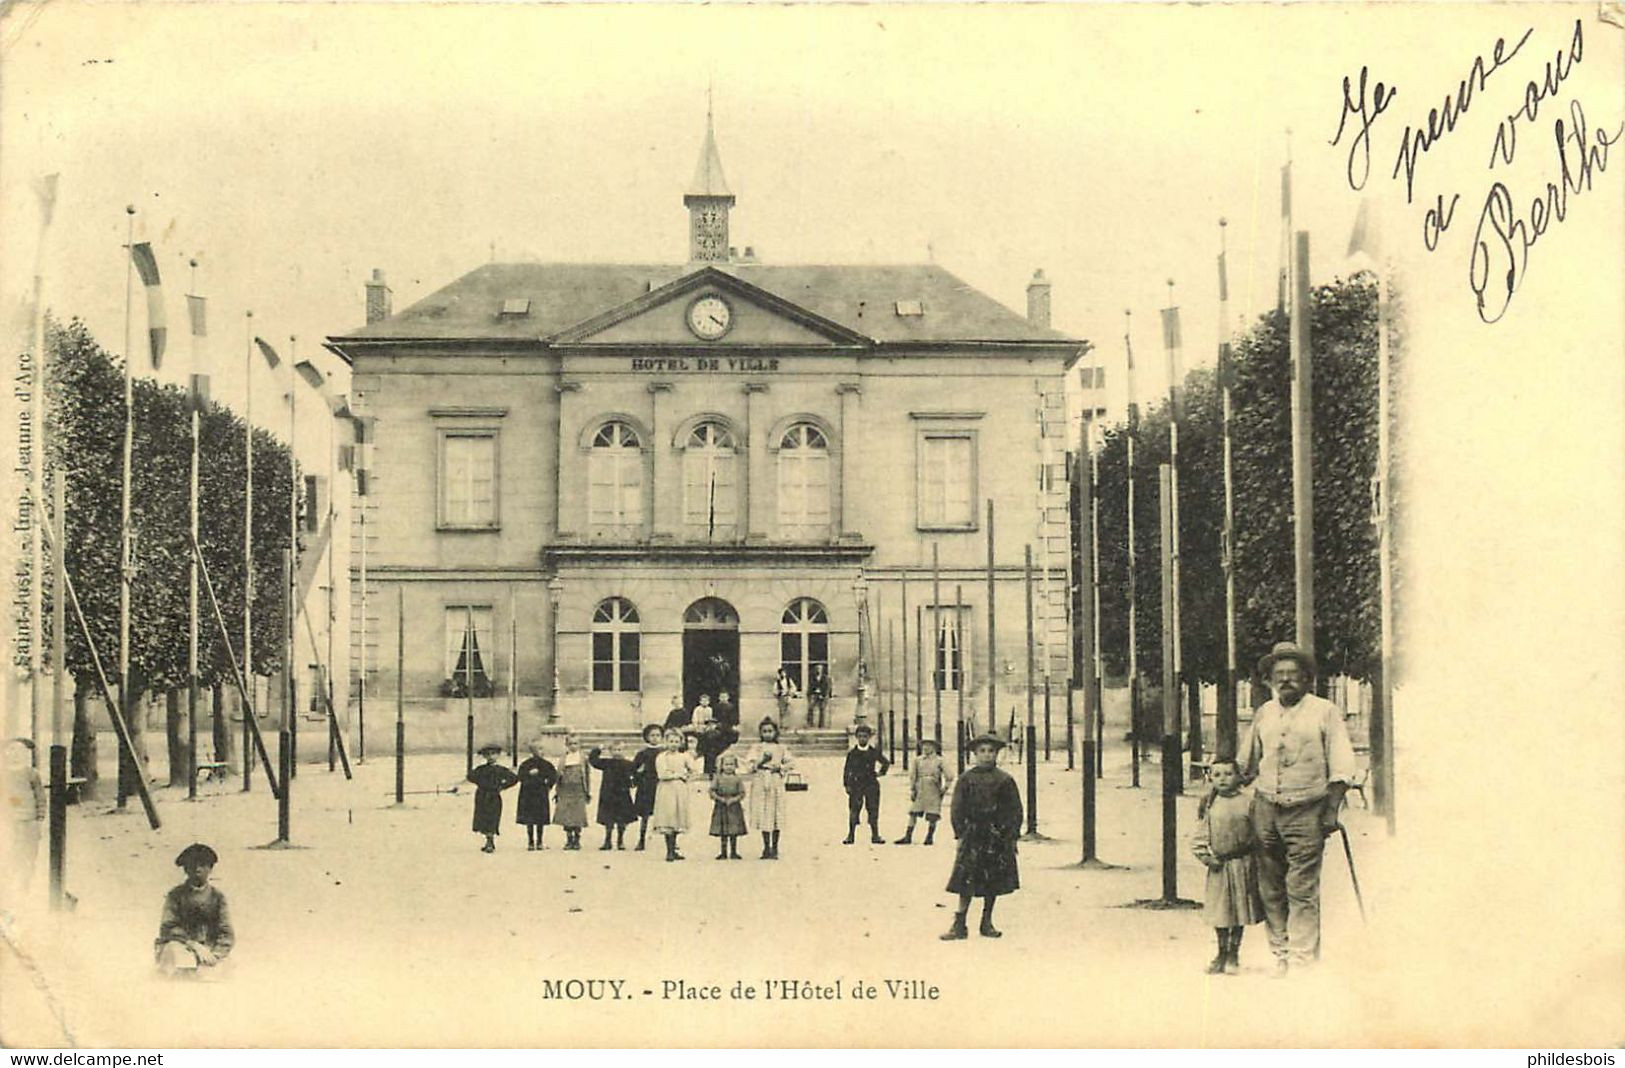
(710,651)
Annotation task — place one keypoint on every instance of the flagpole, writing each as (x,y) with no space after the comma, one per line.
(358,476)
(191,570)
(36,478)
(1133,617)
(1176,369)
(125,549)
(1097,667)
(332,580)
(292,726)
(248,540)
(1385,776)
(1227,725)
(1303,505)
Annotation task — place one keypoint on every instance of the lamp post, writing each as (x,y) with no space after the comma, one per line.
(860,591)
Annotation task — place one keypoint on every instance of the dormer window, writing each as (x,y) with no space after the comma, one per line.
(516,308)
(909,309)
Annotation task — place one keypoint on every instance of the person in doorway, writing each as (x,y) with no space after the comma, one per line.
(615,806)
(702,724)
(489,779)
(537,775)
(819,692)
(724,731)
(927,782)
(644,780)
(679,716)
(769,762)
(1224,843)
(986,816)
(1299,761)
(728,807)
(673,769)
(194,932)
(784,691)
(573,792)
(865,763)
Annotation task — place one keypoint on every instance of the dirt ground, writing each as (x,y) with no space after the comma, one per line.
(388,926)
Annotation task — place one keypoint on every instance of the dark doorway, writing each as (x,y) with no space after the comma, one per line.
(710,651)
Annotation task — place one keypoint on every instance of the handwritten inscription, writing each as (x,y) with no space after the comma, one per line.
(1506,231)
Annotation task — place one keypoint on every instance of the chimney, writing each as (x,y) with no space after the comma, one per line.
(1038,299)
(377,297)
(750,254)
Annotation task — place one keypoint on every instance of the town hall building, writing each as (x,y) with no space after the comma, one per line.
(606,488)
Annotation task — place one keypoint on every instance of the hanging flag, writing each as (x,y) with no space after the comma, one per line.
(1366,238)
(1172,342)
(146,265)
(1227,371)
(196,310)
(1283,284)
(310,374)
(45,189)
(1133,404)
(269,353)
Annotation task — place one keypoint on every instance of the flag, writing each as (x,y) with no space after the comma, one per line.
(1366,239)
(1133,406)
(1227,371)
(196,310)
(200,392)
(269,353)
(1284,284)
(1171,341)
(45,189)
(146,265)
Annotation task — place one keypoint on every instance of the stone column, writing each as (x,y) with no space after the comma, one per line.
(850,394)
(662,523)
(755,474)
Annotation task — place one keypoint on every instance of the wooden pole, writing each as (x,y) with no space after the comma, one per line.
(284,749)
(328,686)
(919,679)
(58,815)
(468,682)
(939,649)
(1303,462)
(992,632)
(400,694)
(891,693)
(1031,744)
(1176,395)
(1226,724)
(126,554)
(248,547)
(513,675)
(358,501)
(1170,698)
(1133,616)
(959,676)
(904,584)
(291,583)
(1382,749)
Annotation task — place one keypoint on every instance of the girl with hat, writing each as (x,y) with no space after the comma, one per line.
(536,777)
(489,779)
(927,782)
(644,780)
(986,816)
(573,792)
(195,930)
(769,762)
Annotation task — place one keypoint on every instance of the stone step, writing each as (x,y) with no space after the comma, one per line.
(800,740)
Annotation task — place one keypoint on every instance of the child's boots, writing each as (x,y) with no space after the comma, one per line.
(957,931)
(1232,962)
(733,848)
(930,831)
(608,834)
(1217,965)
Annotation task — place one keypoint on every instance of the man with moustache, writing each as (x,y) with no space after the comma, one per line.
(1298,757)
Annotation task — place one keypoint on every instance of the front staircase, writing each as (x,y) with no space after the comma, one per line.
(800,740)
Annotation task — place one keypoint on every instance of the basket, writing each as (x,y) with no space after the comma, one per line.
(794,783)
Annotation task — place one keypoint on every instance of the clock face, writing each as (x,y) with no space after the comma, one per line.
(709,317)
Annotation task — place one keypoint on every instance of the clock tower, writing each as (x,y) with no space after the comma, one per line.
(708,201)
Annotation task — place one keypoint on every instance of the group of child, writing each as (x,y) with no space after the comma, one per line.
(652,788)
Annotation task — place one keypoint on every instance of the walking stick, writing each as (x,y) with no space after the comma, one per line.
(1348,854)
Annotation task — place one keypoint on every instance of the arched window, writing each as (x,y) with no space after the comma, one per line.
(804,483)
(804,640)
(615,646)
(710,493)
(615,478)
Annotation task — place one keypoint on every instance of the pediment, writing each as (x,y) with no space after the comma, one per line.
(711,308)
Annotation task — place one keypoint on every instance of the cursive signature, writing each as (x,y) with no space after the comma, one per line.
(1503,240)
(1417,140)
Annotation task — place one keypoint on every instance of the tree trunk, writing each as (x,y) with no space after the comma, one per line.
(175,737)
(82,762)
(221,723)
(136,712)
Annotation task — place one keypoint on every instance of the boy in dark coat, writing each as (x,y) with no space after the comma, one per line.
(986,816)
(615,805)
(865,764)
(645,781)
(489,779)
(536,777)
(195,930)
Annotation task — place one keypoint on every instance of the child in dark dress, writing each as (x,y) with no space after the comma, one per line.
(986,817)
(615,807)
(489,779)
(644,780)
(728,808)
(536,778)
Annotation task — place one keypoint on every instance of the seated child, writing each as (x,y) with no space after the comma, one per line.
(195,930)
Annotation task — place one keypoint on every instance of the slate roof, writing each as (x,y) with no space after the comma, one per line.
(861,298)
